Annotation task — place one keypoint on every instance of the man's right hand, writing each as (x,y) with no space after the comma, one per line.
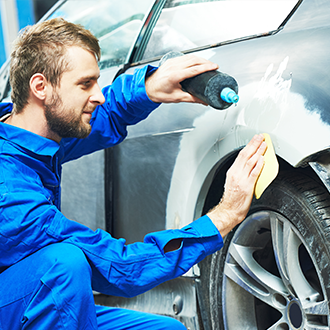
(163,86)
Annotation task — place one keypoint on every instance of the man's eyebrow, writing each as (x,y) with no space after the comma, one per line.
(85,78)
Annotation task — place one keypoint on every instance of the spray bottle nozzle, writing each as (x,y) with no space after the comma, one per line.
(228,95)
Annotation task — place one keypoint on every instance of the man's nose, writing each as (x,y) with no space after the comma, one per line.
(97,96)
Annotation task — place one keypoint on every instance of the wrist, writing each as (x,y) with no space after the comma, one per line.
(149,84)
(224,219)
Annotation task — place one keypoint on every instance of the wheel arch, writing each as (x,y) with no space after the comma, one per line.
(316,165)
(211,191)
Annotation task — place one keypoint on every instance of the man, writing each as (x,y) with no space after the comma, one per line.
(49,264)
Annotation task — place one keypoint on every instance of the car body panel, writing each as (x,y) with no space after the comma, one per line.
(279,95)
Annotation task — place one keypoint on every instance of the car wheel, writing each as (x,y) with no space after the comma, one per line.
(274,269)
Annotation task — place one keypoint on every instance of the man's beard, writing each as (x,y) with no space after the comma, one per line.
(66,123)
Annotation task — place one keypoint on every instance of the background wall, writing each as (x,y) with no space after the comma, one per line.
(15,15)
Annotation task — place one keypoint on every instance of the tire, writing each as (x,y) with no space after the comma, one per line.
(274,269)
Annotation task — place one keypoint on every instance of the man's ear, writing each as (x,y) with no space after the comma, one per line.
(39,86)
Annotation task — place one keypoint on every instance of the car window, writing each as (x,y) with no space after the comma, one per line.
(115,23)
(185,25)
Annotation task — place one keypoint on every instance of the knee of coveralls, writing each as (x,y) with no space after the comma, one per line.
(52,290)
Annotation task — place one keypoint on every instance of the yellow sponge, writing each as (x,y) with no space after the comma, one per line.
(270,169)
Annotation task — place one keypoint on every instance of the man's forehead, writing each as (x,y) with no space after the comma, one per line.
(82,63)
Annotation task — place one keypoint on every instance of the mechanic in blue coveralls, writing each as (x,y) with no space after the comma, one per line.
(49,264)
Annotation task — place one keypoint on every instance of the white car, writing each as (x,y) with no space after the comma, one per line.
(274,269)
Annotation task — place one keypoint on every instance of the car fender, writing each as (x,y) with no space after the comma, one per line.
(269,106)
(322,169)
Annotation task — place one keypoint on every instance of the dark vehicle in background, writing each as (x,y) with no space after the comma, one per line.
(274,269)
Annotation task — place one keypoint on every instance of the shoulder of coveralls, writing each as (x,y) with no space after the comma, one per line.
(23,154)
(5,108)
(137,84)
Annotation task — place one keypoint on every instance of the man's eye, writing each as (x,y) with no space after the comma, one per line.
(86,83)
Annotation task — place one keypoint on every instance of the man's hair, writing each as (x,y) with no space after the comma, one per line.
(41,48)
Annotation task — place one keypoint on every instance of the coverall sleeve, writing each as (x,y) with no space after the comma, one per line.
(126,103)
(30,222)
(129,270)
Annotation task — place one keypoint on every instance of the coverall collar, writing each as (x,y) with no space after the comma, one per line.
(26,139)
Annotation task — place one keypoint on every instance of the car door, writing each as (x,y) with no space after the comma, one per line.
(166,158)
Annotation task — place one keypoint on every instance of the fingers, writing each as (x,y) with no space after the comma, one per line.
(255,163)
(249,161)
(243,174)
(250,149)
(257,169)
(190,66)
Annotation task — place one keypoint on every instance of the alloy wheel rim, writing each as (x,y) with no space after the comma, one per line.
(271,280)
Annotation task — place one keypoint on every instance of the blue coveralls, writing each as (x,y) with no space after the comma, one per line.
(49,265)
